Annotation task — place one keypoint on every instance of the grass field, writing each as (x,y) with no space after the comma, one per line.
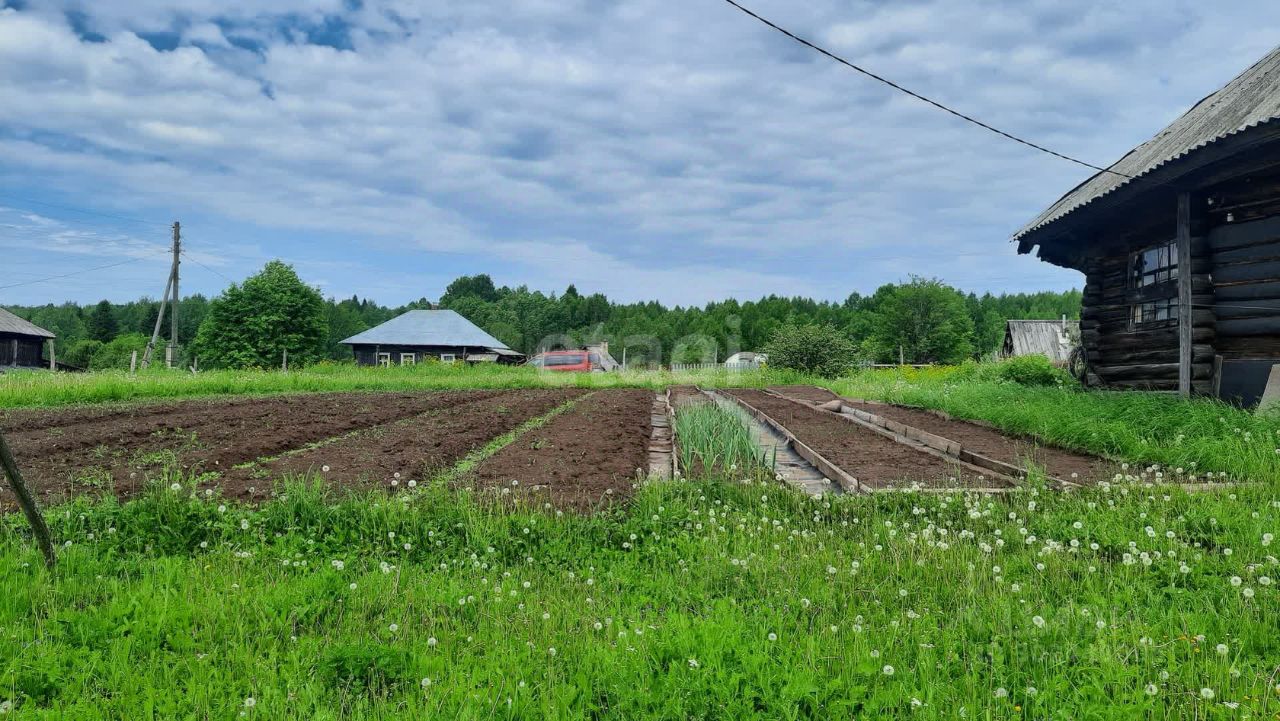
(704,598)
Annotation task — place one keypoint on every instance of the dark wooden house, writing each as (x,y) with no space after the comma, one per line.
(22,343)
(1179,242)
(417,335)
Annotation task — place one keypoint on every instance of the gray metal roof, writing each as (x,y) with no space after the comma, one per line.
(427,327)
(1251,100)
(10,323)
(1052,338)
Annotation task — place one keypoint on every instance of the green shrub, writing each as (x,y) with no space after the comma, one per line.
(821,350)
(1032,370)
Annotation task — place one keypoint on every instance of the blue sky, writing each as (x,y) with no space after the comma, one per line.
(643,148)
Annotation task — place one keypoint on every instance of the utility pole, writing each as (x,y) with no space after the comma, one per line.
(170,292)
(172,355)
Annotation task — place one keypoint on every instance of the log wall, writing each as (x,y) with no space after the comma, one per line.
(1246,274)
(1145,357)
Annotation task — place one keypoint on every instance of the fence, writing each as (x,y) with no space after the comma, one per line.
(732,367)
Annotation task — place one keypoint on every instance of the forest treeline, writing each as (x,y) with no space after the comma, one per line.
(925,320)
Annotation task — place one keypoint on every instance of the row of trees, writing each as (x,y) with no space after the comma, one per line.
(251,323)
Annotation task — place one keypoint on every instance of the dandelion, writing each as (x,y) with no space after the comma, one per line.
(1038,621)
(1221,649)
(1247,592)
(887,670)
(693,663)
(250,702)
(324,468)
(1236,581)
(393,627)
(338,564)
(1206,693)
(432,641)
(176,487)
(551,651)
(1001,692)
(1152,690)
(773,637)
(426,682)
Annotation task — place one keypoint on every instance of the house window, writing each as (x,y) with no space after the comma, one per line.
(1154,313)
(448,357)
(384,360)
(408,359)
(1154,265)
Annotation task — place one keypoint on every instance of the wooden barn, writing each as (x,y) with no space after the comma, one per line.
(420,334)
(1179,243)
(1053,339)
(22,343)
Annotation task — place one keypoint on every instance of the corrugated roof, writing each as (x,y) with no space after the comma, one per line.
(1050,338)
(10,323)
(427,327)
(1250,100)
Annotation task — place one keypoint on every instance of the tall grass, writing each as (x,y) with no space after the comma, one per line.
(35,388)
(699,600)
(1200,434)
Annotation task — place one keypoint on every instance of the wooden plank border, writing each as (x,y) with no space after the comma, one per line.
(912,437)
(825,467)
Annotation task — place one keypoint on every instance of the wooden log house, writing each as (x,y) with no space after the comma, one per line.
(1179,242)
(22,343)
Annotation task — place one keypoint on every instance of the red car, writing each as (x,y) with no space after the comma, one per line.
(573,361)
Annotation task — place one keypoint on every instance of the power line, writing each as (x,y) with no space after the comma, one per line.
(83,270)
(918,96)
(202,265)
(82,210)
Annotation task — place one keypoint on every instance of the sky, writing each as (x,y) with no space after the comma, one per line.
(646,149)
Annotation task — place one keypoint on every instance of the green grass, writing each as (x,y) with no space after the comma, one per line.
(37,388)
(700,600)
(1198,435)
(715,439)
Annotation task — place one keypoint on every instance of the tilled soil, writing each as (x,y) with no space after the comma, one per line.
(415,448)
(806,393)
(582,459)
(73,451)
(871,458)
(1014,450)
(683,395)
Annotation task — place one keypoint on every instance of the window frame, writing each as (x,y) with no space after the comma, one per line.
(408,359)
(1154,313)
(383,359)
(448,357)
(1166,269)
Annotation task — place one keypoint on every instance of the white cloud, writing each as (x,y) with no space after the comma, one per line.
(680,151)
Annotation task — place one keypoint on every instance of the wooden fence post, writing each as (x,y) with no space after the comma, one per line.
(28,502)
(133,363)
(284,360)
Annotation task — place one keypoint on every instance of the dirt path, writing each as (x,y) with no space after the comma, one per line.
(869,457)
(417,448)
(584,458)
(1014,450)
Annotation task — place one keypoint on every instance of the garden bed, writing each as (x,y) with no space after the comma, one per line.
(69,452)
(589,456)
(1019,451)
(873,459)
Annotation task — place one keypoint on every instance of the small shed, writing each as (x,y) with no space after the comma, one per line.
(1179,243)
(1053,339)
(22,343)
(420,334)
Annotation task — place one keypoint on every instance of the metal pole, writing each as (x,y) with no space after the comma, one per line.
(28,502)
